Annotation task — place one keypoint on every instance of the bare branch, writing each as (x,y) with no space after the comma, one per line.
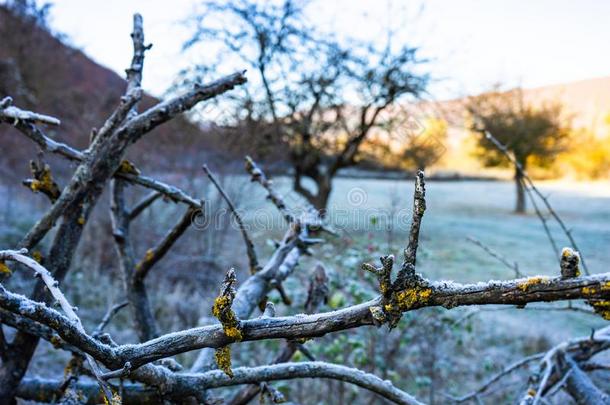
(449,295)
(514,267)
(14,115)
(171,192)
(143,204)
(579,385)
(288,371)
(171,237)
(259,176)
(145,122)
(250,250)
(44,390)
(317,294)
(551,371)
(281,264)
(243,375)
(419,206)
(49,145)
(112,311)
(22,323)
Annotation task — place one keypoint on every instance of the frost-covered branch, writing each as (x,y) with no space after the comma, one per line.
(53,287)
(316,295)
(13,115)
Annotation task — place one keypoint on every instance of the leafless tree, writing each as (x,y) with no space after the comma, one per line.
(155,376)
(322,111)
(529,133)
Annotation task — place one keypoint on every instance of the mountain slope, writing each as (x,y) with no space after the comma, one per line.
(45,75)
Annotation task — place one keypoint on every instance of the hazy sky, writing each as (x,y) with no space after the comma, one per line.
(471,43)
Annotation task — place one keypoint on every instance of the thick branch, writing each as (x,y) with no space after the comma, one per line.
(145,122)
(579,385)
(288,371)
(43,390)
(514,292)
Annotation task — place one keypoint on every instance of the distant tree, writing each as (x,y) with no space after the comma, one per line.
(320,99)
(422,149)
(533,134)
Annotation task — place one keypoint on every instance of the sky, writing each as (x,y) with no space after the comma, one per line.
(470,44)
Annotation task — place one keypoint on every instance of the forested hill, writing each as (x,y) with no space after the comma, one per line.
(42,73)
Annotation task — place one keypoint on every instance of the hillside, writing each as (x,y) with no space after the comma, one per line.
(44,74)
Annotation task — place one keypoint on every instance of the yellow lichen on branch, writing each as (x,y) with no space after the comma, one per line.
(222,307)
(532,281)
(408,298)
(43,181)
(116,399)
(602,308)
(4,269)
(148,256)
(36,255)
(223,360)
(223,312)
(127,167)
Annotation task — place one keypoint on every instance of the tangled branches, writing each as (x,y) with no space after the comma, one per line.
(149,363)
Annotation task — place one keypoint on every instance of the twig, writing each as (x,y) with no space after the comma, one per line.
(506,370)
(143,204)
(259,176)
(407,270)
(112,311)
(514,267)
(135,289)
(250,250)
(120,373)
(419,206)
(542,218)
(14,114)
(545,200)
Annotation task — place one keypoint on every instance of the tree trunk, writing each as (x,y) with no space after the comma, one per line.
(320,200)
(520,204)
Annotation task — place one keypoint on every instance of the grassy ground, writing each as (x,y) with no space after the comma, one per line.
(372,217)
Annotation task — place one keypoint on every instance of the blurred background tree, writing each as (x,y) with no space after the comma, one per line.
(421,150)
(533,134)
(320,109)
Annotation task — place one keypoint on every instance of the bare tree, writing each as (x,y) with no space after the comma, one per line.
(322,111)
(531,134)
